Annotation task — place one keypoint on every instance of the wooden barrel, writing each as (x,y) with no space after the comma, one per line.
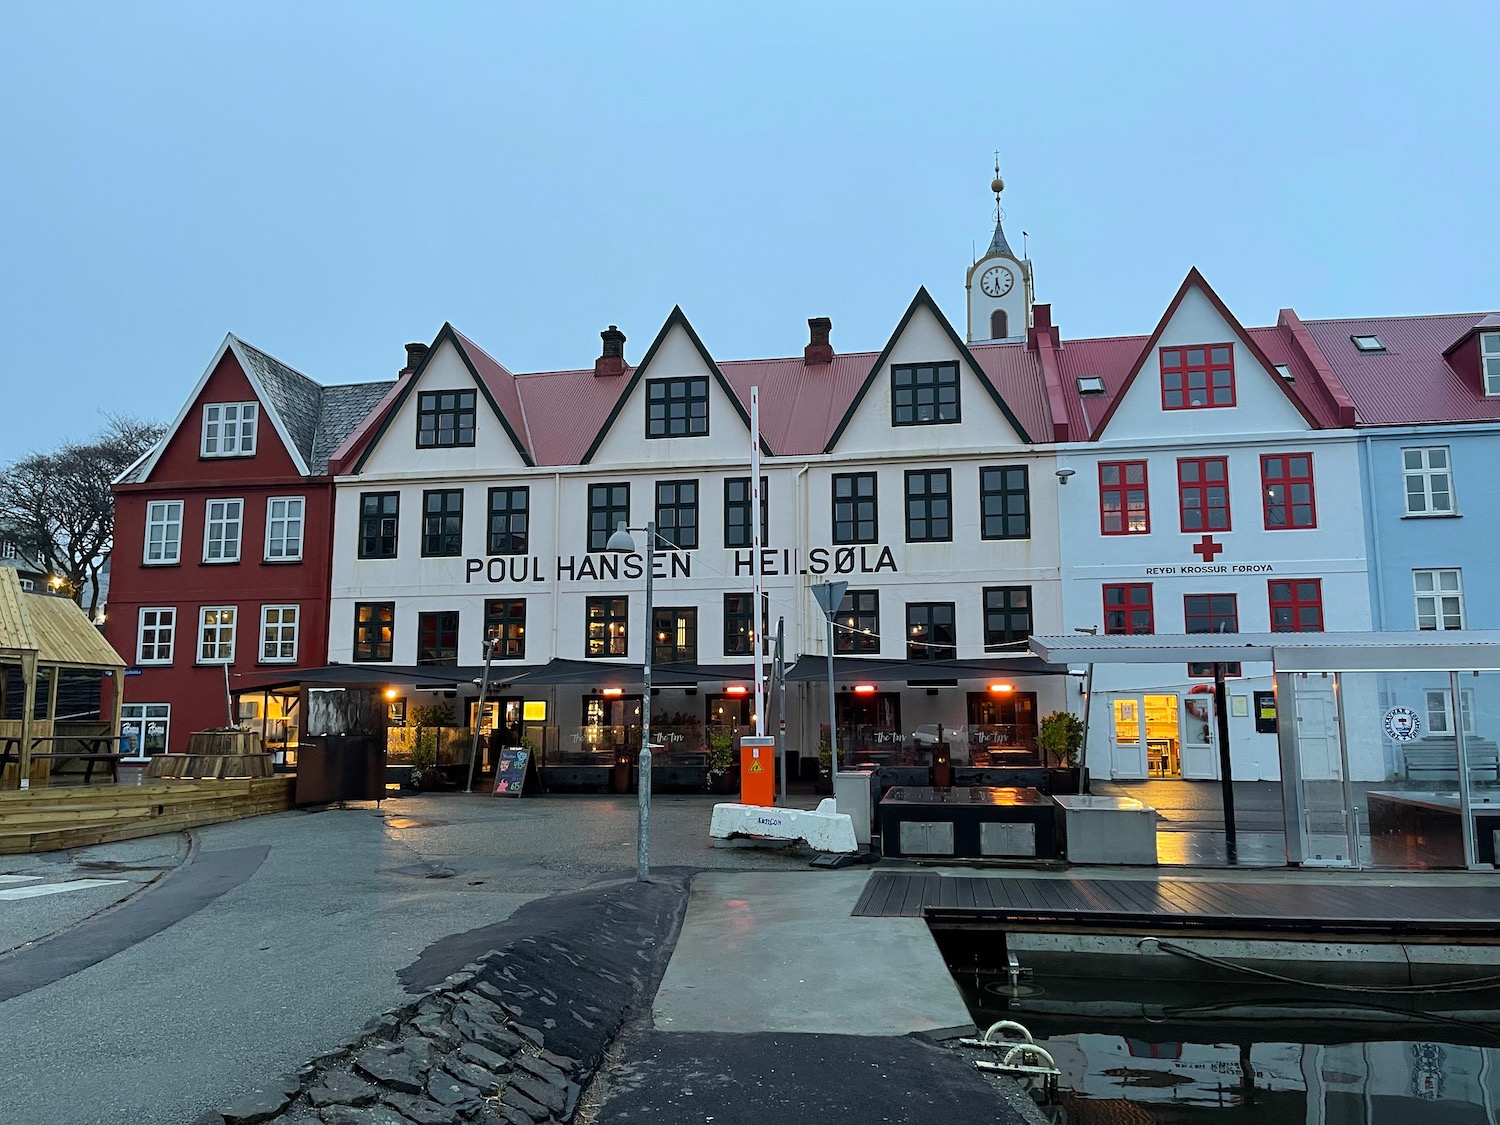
(231,740)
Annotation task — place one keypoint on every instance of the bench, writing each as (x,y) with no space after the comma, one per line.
(91,752)
(1435,759)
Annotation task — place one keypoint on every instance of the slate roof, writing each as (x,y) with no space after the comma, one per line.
(342,408)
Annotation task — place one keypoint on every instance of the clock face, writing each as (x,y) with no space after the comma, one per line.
(996,281)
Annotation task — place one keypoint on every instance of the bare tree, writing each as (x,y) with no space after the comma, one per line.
(58,506)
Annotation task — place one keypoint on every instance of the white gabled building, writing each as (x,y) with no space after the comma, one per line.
(1217,490)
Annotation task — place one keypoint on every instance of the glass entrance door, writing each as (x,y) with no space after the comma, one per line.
(1200,738)
(1145,738)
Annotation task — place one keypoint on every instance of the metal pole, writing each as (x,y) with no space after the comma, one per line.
(484,686)
(833,730)
(758,622)
(1226,773)
(1465,794)
(643,790)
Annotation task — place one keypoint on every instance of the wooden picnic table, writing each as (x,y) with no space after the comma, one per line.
(94,749)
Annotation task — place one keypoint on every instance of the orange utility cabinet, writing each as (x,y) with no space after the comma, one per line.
(757,771)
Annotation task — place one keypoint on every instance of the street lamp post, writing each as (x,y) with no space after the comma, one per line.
(621,542)
(829,596)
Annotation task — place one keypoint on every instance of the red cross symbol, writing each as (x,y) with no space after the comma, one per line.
(1206,548)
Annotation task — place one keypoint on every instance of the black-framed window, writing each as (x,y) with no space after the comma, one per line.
(739,624)
(437,638)
(854,508)
(607,620)
(443,522)
(931,633)
(1004,502)
(505,621)
(677,513)
(737,531)
(510,521)
(445,418)
(677,407)
(856,627)
(379,520)
(924,394)
(374,630)
(674,634)
(1007,616)
(929,506)
(609,506)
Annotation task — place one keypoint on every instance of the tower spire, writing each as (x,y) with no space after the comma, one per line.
(998,245)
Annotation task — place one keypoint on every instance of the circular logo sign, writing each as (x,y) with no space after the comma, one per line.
(1402,724)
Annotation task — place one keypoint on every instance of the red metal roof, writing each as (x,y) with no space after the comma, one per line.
(1410,381)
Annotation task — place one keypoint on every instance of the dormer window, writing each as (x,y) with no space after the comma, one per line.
(1489,356)
(1090,385)
(924,394)
(1197,378)
(677,407)
(229,429)
(1368,343)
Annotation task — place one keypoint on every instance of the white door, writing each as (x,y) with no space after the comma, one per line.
(1127,758)
(1200,738)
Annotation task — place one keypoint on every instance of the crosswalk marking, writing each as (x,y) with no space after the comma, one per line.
(19,879)
(38,889)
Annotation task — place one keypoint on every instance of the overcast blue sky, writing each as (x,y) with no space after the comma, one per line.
(332,180)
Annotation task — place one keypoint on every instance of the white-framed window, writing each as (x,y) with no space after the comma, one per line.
(1489,356)
(284,529)
(229,429)
(144,728)
(278,634)
(154,638)
(1440,598)
(221,530)
(8,550)
(27,585)
(164,531)
(1427,472)
(216,634)
(1440,710)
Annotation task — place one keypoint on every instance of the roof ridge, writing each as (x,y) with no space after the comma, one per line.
(1415,316)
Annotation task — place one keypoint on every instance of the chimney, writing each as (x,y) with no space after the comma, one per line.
(611,359)
(1041,325)
(818,349)
(415,354)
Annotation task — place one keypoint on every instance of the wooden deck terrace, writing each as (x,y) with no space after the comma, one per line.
(72,816)
(1408,911)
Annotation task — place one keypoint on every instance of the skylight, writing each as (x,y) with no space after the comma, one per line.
(1368,343)
(1090,385)
(1285,372)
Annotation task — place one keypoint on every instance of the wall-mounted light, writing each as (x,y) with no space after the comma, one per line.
(390,693)
(736,689)
(613,691)
(1064,474)
(864,689)
(1002,689)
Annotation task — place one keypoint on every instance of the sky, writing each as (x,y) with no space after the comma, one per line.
(329,181)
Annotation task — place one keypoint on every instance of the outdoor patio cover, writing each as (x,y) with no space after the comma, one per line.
(854,669)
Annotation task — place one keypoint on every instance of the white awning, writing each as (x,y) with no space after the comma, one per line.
(1453,650)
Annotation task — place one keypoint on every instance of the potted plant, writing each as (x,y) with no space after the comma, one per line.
(721,775)
(427,723)
(825,767)
(1060,738)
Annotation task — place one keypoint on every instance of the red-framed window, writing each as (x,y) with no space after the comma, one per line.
(1128,608)
(1296,605)
(1203,493)
(1287,490)
(1124,501)
(1197,378)
(1211,613)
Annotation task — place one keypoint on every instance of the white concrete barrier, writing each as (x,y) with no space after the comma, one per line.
(826,829)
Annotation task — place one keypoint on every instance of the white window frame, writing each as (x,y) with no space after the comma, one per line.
(8,550)
(1440,710)
(135,717)
(1427,474)
(219,641)
(27,585)
(216,530)
(167,515)
(287,616)
(284,532)
(162,623)
(1436,587)
(229,429)
(1489,361)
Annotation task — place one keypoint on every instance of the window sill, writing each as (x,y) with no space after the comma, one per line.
(152,664)
(1432,516)
(281,562)
(225,456)
(219,562)
(174,562)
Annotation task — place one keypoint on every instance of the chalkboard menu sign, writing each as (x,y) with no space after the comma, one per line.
(510,771)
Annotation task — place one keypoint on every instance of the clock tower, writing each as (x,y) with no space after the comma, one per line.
(999,284)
